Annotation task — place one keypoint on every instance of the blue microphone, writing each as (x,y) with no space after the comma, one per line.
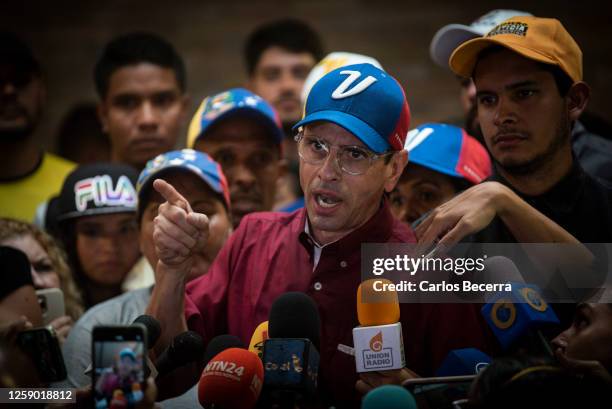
(388,397)
(466,361)
(518,315)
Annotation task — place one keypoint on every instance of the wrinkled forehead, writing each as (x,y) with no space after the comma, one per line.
(332,133)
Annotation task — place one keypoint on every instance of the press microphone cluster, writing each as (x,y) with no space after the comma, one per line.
(378,340)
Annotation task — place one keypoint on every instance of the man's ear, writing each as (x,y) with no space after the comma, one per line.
(577,99)
(396,168)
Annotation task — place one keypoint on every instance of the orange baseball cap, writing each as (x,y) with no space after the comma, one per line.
(540,39)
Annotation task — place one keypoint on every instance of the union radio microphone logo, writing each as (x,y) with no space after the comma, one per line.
(376,343)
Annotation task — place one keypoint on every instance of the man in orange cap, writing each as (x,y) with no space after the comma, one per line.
(529,91)
(528,76)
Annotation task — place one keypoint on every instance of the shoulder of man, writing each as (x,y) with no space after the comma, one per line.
(58,163)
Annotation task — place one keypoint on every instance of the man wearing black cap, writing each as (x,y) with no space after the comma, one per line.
(28,176)
(98,227)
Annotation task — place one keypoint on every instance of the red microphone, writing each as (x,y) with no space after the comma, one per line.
(231,380)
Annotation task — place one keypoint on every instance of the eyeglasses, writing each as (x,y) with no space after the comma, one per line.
(354,160)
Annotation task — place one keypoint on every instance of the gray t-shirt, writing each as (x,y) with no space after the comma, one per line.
(121,310)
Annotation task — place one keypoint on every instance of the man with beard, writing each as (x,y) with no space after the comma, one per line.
(279,56)
(141,80)
(28,175)
(593,151)
(242,133)
(528,77)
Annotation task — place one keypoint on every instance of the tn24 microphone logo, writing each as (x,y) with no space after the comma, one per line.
(232,371)
(377,356)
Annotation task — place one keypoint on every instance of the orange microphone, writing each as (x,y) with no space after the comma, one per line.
(378,340)
(231,380)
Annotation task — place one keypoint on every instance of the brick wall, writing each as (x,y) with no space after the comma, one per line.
(67,35)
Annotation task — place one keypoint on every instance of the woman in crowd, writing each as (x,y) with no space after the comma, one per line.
(98,227)
(48,267)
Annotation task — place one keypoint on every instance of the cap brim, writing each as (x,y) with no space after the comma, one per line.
(98,211)
(463,60)
(351,123)
(447,39)
(148,183)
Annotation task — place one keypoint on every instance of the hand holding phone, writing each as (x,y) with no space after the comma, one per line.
(42,346)
(51,301)
(118,356)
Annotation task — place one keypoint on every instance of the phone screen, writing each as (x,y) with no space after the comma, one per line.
(118,366)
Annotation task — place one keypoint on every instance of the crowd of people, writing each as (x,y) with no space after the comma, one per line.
(279,185)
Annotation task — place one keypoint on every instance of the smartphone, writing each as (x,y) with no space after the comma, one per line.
(118,357)
(42,346)
(51,301)
(440,395)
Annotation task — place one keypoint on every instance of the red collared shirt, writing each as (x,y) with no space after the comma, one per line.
(270,254)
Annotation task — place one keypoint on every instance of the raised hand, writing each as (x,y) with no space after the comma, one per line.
(179,232)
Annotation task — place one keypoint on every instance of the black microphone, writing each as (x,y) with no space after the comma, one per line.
(290,354)
(185,348)
(153,328)
(295,315)
(219,344)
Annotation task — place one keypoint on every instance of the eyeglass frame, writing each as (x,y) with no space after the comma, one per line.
(372,156)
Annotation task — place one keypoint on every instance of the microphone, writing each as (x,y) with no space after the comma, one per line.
(219,344)
(378,340)
(388,397)
(290,354)
(257,340)
(153,331)
(231,380)
(153,328)
(185,348)
(453,378)
(516,317)
(466,361)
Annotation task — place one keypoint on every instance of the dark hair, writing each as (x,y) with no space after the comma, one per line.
(460,184)
(525,381)
(16,52)
(135,48)
(81,123)
(563,81)
(291,34)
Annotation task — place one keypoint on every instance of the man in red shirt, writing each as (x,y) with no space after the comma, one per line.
(351,152)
